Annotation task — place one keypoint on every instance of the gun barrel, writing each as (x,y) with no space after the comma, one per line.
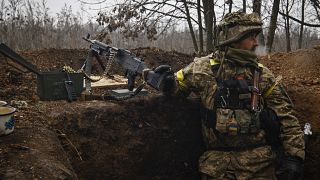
(89,40)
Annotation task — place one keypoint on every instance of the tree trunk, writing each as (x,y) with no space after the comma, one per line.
(208,7)
(257,6)
(200,27)
(287,27)
(214,28)
(230,5)
(244,6)
(194,41)
(273,24)
(257,9)
(301,26)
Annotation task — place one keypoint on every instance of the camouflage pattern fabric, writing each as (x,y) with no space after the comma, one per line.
(251,164)
(280,102)
(258,162)
(237,24)
(240,18)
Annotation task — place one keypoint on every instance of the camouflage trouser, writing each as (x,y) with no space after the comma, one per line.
(258,163)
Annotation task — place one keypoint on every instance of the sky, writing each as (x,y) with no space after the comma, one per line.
(55,6)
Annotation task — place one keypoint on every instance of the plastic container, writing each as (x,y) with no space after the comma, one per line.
(3,103)
(6,120)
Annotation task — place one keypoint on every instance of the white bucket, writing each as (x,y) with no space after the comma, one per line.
(6,120)
(3,103)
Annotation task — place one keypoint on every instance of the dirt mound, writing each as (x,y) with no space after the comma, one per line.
(143,138)
(301,77)
(300,67)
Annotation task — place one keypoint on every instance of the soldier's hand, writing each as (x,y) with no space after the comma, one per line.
(294,167)
(167,79)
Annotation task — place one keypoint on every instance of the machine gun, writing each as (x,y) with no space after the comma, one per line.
(132,65)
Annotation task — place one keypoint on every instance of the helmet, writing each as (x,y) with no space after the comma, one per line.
(236,25)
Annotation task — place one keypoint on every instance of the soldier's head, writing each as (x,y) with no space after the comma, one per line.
(239,30)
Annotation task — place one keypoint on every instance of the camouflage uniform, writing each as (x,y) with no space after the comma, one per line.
(244,154)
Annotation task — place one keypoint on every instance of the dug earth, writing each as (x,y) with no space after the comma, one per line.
(150,137)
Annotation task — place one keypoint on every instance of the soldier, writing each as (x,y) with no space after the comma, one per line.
(245,108)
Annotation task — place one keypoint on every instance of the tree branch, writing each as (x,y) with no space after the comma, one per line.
(297,20)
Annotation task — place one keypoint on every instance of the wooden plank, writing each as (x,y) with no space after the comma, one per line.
(107,82)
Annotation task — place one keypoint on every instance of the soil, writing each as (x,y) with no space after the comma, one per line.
(151,137)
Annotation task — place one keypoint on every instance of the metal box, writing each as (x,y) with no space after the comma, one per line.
(51,85)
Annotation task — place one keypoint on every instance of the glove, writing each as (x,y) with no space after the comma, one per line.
(271,125)
(166,78)
(294,167)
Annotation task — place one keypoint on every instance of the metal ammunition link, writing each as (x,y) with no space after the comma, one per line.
(110,61)
(68,69)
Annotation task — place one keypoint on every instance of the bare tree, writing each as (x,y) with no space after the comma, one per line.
(195,45)
(286,15)
(257,9)
(256,6)
(26,24)
(287,8)
(230,3)
(147,15)
(316,5)
(210,21)
(299,21)
(301,25)
(273,24)
(244,6)
(2,6)
(200,27)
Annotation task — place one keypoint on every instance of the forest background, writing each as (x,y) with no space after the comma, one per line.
(183,26)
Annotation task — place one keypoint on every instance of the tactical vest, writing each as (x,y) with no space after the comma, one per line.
(232,104)
(227,119)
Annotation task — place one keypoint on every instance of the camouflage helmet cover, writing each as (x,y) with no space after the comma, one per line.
(235,25)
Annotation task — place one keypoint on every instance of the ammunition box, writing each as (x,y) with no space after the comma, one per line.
(51,85)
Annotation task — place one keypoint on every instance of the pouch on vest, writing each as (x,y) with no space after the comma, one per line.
(233,94)
(226,122)
(243,117)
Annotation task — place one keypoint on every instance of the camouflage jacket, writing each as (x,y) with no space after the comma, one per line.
(199,78)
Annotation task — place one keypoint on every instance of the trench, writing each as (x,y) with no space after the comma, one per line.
(143,138)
